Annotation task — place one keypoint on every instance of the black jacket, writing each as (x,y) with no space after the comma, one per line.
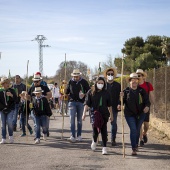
(41,107)
(100,101)
(22,107)
(114,90)
(74,88)
(135,101)
(7,101)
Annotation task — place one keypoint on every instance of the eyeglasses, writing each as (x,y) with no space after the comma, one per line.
(110,74)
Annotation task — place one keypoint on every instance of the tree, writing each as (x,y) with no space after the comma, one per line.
(108,63)
(166,49)
(70,66)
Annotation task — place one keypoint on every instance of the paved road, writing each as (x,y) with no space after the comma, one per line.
(57,153)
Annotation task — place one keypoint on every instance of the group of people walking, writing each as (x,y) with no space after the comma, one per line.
(102,100)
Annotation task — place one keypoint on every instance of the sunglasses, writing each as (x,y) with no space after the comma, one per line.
(110,74)
(139,75)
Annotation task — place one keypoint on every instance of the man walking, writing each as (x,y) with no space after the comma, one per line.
(18,87)
(77,89)
(149,89)
(114,89)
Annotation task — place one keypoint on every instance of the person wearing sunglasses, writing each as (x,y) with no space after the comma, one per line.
(114,89)
(149,89)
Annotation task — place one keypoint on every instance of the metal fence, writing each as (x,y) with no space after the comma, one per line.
(160,79)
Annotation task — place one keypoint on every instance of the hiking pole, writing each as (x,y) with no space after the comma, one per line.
(122,115)
(63,98)
(26,102)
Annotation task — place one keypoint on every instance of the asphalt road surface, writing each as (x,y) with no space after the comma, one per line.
(56,153)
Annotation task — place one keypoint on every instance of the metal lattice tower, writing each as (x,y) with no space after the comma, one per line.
(40,39)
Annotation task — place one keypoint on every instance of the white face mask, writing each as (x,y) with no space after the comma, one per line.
(100,86)
(110,77)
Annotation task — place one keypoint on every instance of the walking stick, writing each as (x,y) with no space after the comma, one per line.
(122,114)
(99,71)
(63,98)
(26,101)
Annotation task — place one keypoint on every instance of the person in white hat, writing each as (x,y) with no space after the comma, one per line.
(46,92)
(76,89)
(149,89)
(41,109)
(114,89)
(7,106)
(137,104)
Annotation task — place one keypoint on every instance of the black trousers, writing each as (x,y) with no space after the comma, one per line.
(103,133)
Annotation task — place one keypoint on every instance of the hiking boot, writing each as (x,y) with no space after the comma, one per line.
(37,141)
(145,138)
(113,142)
(24,134)
(3,141)
(104,151)
(79,138)
(141,143)
(72,139)
(11,139)
(93,146)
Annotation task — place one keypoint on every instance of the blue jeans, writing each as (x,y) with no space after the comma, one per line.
(7,119)
(34,120)
(135,124)
(41,121)
(15,115)
(114,125)
(75,108)
(23,123)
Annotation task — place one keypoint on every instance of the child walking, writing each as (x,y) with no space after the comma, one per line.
(42,110)
(24,112)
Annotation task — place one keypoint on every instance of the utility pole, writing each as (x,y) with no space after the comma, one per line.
(40,39)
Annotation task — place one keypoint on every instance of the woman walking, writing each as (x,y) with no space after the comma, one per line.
(99,101)
(7,106)
(137,105)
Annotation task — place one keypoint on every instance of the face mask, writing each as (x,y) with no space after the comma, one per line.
(100,86)
(110,77)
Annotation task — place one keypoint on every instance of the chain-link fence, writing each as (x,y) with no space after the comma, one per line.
(160,79)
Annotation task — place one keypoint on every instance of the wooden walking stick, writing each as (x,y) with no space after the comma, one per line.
(26,101)
(65,71)
(122,113)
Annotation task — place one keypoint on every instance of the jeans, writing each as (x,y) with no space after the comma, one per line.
(23,123)
(15,115)
(34,120)
(41,121)
(114,125)
(135,124)
(7,119)
(75,108)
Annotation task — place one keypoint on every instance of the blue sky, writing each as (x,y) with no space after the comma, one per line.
(86,30)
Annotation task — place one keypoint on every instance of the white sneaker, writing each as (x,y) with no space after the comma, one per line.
(79,138)
(72,139)
(44,136)
(93,146)
(104,151)
(11,139)
(3,141)
(37,141)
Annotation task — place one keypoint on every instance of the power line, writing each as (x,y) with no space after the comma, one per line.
(14,41)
